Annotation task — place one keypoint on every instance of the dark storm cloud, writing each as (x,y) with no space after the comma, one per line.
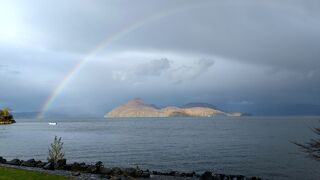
(275,33)
(226,52)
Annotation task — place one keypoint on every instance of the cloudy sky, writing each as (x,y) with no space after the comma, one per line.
(261,57)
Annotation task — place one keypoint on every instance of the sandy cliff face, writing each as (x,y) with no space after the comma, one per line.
(135,108)
(138,108)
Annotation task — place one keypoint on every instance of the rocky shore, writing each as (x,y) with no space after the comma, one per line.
(99,171)
(7,122)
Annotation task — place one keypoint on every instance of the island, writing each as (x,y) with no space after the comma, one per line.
(138,108)
(6,116)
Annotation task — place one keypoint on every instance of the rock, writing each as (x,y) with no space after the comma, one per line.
(115,178)
(155,173)
(38,162)
(136,172)
(106,171)
(82,164)
(49,166)
(75,173)
(255,178)
(191,174)
(207,176)
(145,174)
(92,169)
(2,160)
(78,167)
(75,167)
(41,164)
(29,163)
(15,162)
(60,164)
(67,167)
(99,165)
(116,171)
(174,173)
(240,177)
(105,176)
(129,171)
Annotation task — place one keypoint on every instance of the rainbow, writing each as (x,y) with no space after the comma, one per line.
(114,37)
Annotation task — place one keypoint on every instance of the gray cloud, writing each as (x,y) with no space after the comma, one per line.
(266,52)
(155,68)
(191,72)
(152,68)
(144,70)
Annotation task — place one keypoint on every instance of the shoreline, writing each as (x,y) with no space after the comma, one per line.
(82,171)
(7,122)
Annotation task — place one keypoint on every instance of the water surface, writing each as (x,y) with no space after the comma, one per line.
(253,146)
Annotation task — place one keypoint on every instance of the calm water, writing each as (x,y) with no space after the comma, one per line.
(254,146)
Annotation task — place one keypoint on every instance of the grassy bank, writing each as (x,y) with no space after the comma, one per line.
(12,174)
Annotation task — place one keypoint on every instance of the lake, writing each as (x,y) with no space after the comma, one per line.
(251,146)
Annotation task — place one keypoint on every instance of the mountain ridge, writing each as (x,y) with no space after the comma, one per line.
(138,108)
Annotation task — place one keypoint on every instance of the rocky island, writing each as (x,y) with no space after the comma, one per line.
(138,108)
(6,116)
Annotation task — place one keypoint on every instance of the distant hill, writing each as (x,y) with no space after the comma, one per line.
(138,108)
(25,114)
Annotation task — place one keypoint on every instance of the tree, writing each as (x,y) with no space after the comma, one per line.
(55,152)
(312,148)
(6,116)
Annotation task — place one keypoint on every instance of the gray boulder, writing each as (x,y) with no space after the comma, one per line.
(29,163)
(40,164)
(79,167)
(130,171)
(49,166)
(75,173)
(92,169)
(15,162)
(104,170)
(116,171)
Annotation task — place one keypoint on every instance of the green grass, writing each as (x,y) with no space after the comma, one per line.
(13,174)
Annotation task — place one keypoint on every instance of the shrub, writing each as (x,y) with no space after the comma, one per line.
(312,148)
(55,151)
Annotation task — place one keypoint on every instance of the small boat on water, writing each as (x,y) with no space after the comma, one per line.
(52,123)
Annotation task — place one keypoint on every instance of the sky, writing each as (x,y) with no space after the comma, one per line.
(261,57)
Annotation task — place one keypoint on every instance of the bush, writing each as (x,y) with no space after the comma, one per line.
(55,152)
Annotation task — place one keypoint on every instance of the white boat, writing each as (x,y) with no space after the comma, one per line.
(52,123)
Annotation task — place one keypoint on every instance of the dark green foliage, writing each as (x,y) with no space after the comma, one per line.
(6,116)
